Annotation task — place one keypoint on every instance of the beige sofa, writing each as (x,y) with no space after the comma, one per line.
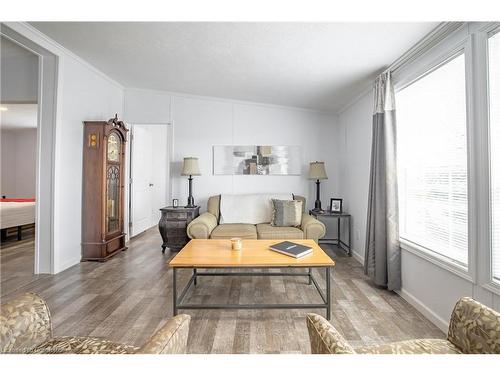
(207,226)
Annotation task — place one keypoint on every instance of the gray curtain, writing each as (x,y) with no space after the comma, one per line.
(382,253)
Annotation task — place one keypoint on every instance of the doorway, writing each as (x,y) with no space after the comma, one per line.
(46,94)
(150,183)
(18,140)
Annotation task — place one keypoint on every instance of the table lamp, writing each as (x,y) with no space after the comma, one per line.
(190,168)
(317,172)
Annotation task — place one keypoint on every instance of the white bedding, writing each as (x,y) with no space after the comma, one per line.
(13,214)
(248,208)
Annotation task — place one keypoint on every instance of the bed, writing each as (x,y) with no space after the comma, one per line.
(15,213)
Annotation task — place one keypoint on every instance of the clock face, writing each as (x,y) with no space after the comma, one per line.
(113,147)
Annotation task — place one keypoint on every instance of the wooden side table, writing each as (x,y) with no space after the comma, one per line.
(173,224)
(339,217)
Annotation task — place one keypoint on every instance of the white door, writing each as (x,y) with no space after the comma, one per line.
(149,175)
(141,164)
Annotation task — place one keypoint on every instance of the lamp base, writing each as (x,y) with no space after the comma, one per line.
(190,202)
(190,195)
(317,203)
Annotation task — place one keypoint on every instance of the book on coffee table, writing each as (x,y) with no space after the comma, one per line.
(291,249)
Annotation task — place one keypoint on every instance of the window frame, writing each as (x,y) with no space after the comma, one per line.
(487,280)
(465,272)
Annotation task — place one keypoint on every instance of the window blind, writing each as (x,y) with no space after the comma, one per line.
(494,115)
(432,161)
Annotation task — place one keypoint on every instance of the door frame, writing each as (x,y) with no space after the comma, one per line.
(129,166)
(48,75)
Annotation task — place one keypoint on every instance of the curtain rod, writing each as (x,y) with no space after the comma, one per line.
(423,45)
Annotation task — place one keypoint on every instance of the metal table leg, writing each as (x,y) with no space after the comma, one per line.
(328,301)
(350,243)
(174,292)
(338,230)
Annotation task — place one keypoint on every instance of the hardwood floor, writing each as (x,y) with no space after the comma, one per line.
(127,298)
(16,262)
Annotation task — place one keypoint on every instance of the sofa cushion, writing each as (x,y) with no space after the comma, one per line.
(268,232)
(225,231)
(286,213)
(248,208)
(302,199)
(418,346)
(82,345)
(213,206)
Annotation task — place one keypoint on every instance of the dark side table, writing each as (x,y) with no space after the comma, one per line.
(339,217)
(173,224)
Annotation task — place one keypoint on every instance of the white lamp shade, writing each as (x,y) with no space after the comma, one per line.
(190,167)
(317,171)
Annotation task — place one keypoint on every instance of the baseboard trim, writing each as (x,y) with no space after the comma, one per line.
(424,310)
(358,257)
(69,263)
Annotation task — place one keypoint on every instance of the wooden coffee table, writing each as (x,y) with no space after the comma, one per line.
(217,254)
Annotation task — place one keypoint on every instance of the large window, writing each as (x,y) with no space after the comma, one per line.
(494,104)
(432,162)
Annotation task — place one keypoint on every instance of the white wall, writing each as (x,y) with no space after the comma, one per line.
(85,95)
(355,129)
(8,154)
(19,71)
(201,122)
(19,83)
(18,175)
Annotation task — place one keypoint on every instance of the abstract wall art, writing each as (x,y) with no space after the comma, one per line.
(257,160)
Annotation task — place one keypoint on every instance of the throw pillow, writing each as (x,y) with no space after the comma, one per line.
(286,213)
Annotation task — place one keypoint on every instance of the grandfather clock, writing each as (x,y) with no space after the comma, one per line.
(103,189)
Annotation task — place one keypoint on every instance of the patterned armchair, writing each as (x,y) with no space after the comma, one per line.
(474,329)
(25,327)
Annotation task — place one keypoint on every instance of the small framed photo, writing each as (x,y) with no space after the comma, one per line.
(175,203)
(336,205)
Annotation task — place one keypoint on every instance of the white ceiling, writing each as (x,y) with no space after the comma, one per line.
(319,66)
(18,116)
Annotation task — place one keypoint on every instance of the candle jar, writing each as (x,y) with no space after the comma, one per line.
(236,244)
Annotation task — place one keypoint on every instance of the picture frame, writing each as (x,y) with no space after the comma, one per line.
(175,203)
(336,205)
